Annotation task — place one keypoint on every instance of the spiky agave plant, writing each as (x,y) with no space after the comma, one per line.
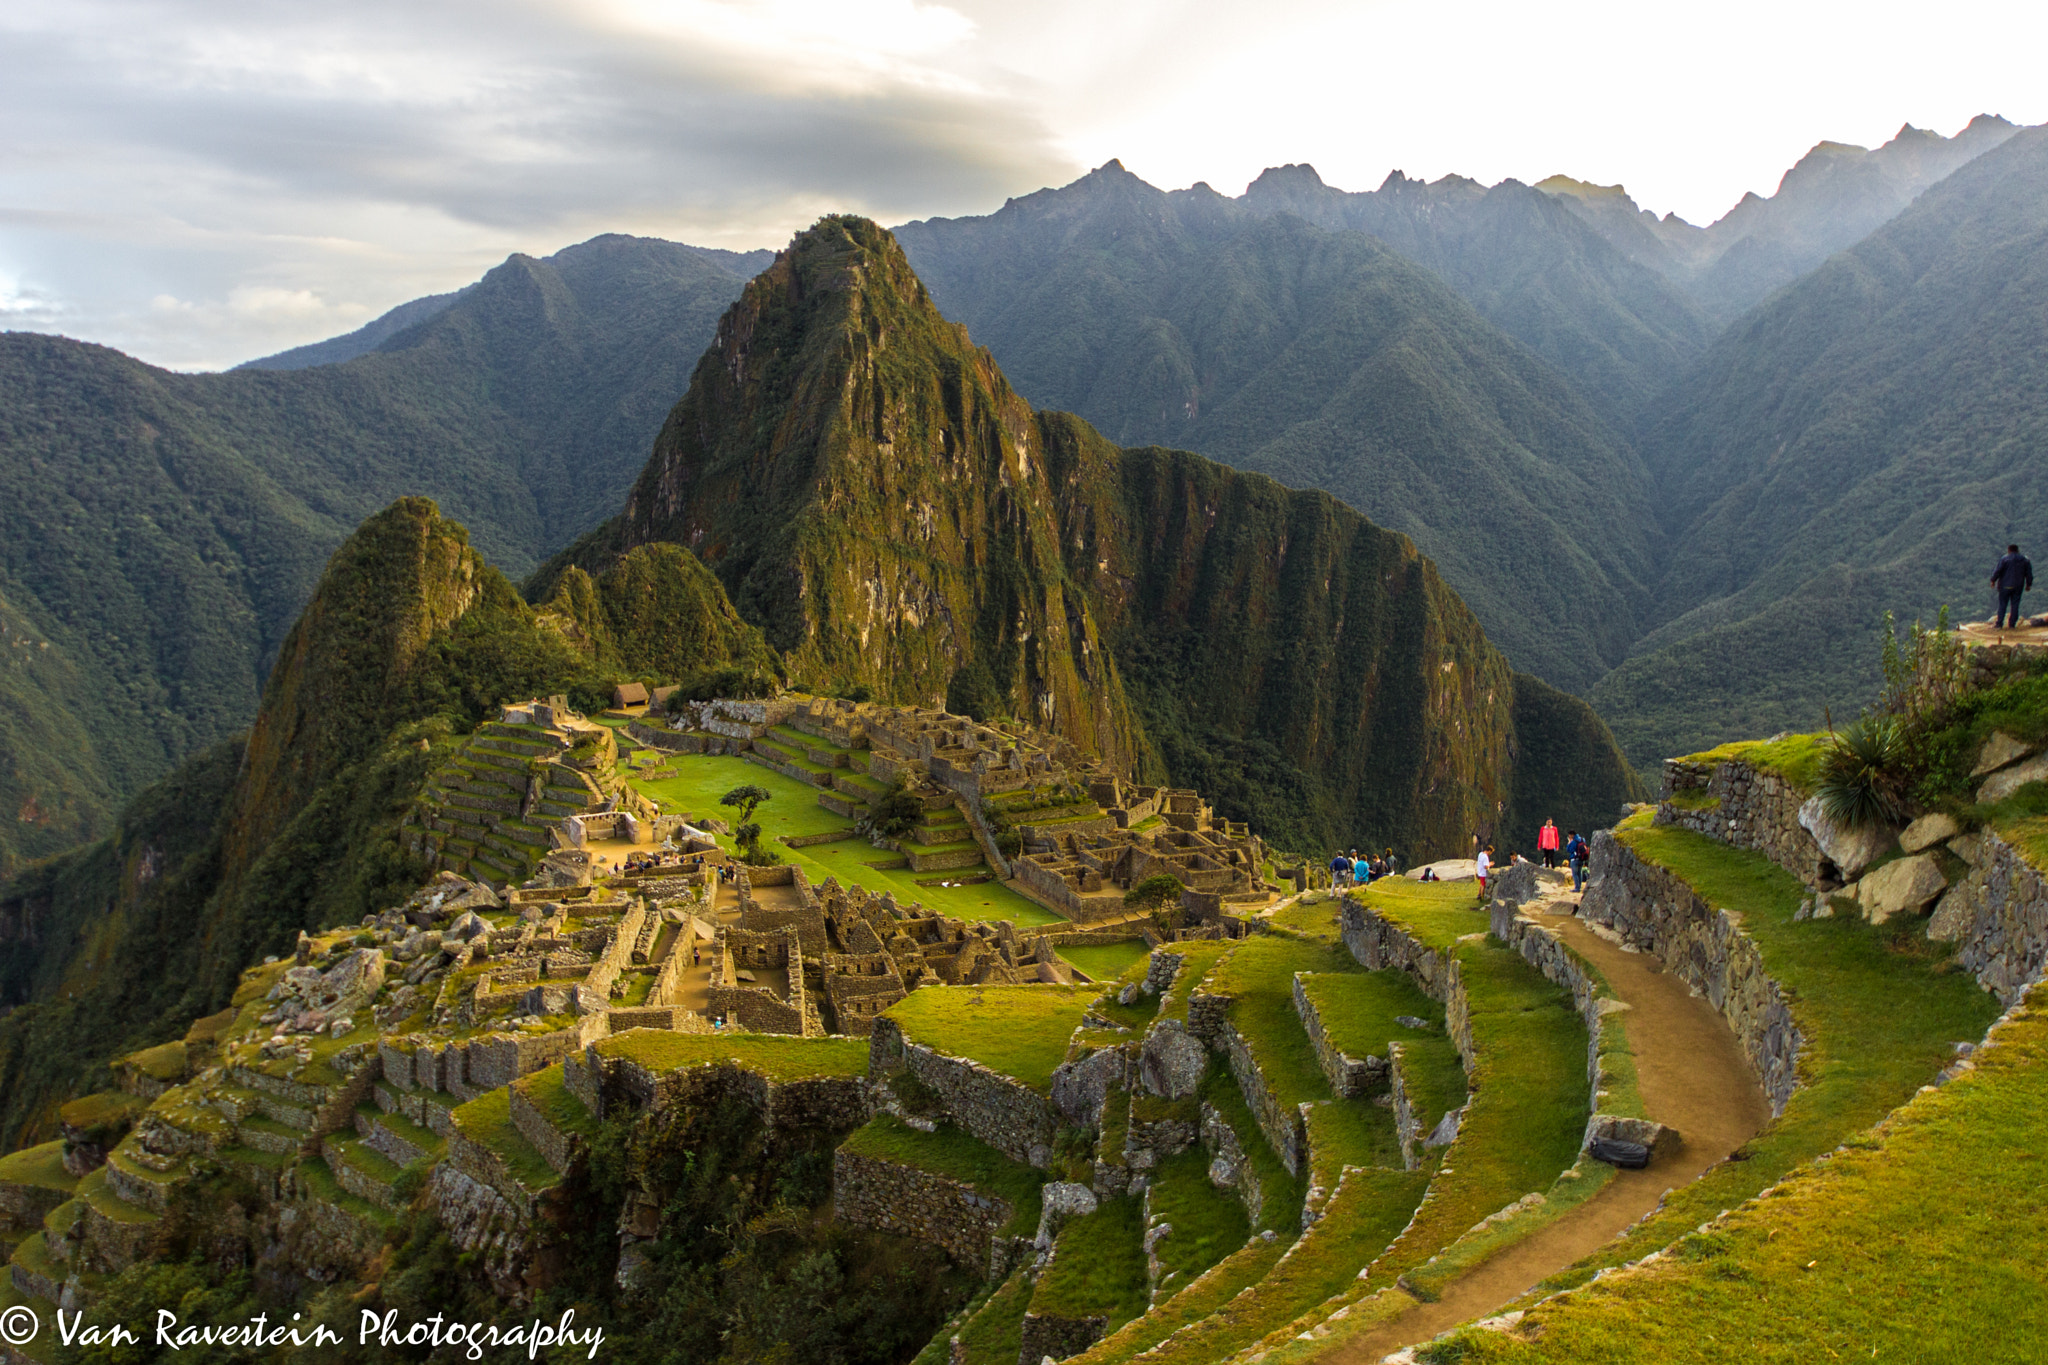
(1863,780)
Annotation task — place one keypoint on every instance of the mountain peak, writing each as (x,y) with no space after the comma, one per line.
(1294,175)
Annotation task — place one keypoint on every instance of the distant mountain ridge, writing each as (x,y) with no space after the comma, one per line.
(1327,360)
(1834,196)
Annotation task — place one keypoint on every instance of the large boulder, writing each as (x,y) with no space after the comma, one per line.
(1929,830)
(1849,849)
(1998,751)
(2006,781)
(1907,886)
(1173,1061)
(1516,885)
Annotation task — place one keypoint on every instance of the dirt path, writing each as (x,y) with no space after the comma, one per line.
(1693,1078)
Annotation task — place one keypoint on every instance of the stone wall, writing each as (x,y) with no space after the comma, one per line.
(871,1193)
(1744,806)
(1997,916)
(1004,1113)
(1282,1125)
(1059,1338)
(1655,910)
(1351,1078)
(1377,944)
(1228,1167)
(482,1222)
(1596,1004)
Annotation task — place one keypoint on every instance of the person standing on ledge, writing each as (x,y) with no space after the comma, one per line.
(1546,843)
(2013,576)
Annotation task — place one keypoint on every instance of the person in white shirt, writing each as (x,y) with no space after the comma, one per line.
(1485,867)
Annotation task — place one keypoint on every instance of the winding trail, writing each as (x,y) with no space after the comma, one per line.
(1693,1078)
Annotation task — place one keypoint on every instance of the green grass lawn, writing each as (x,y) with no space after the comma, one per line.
(993,1334)
(1107,961)
(1528,1109)
(952,1153)
(41,1166)
(1259,977)
(1358,1009)
(1282,1193)
(793,809)
(548,1091)
(1221,1284)
(1314,913)
(1020,1031)
(1363,1217)
(778,1057)
(1435,914)
(1208,1223)
(1098,1266)
(1920,1243)
(1796,758)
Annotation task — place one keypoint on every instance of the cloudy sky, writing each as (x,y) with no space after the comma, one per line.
(202,181)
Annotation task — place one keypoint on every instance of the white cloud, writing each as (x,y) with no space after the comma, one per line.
(283,168)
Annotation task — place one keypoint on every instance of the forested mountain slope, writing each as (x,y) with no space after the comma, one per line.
(1871,438)
(160,531)
(892,514)
(1329,361)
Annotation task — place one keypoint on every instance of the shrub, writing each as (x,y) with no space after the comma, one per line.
(1159,889)
(898,810)
(1863,776)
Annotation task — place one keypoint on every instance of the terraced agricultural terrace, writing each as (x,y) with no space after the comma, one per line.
(1328,1125)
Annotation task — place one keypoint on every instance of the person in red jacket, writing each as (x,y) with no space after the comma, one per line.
(1547,843)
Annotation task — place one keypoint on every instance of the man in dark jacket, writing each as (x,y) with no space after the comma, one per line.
(2013,576)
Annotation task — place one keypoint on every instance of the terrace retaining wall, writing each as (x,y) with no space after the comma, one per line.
(1706,948)
(1756,809)
(869,1192)
(1351,1078)
(1004,1113)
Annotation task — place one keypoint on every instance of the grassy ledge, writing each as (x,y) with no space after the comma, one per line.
(953,1154)
(1796,758)
(1098,1266)
(487,1121)
(1435,914)
(777,1057)
(1208,1223)
(1020,1031)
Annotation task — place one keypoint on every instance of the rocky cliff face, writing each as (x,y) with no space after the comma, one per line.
(877,498)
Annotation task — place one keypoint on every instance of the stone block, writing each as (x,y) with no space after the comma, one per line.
(1850,850)
(1998,751)
(2006,781)
(1927,831)
(1901,887)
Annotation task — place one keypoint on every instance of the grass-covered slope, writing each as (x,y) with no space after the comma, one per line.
(1867,439)
(1916,1242)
